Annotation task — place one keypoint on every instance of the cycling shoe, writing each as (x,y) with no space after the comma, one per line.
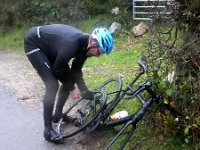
(52,136)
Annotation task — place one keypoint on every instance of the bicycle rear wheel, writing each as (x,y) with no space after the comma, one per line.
(113,88)
(80,114)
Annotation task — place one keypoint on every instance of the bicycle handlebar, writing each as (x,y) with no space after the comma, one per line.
(144,69)
(142,65)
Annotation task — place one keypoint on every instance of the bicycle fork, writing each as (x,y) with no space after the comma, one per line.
(137,117)
(120,132)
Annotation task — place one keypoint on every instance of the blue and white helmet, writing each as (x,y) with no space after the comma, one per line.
(104,39)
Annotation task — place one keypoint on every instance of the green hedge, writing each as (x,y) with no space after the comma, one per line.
(47,11)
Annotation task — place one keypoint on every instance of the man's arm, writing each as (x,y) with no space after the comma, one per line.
(61,69)
(76,70)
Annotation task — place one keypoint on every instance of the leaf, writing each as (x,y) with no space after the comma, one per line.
(195,126)
(169,92)
(197,121)
(187,117)
(172,103)
(187,129)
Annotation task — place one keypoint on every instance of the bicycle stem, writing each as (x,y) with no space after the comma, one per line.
(135,79)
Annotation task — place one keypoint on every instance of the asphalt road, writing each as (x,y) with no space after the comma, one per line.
(21,127)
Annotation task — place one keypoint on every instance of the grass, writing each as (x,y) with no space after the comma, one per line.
(120,63)
(12,40)
(117,64)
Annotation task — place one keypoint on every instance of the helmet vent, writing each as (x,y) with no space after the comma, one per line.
(104,38)
(103,42)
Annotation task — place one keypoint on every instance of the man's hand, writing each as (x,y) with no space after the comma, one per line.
(87,95)
(75,94)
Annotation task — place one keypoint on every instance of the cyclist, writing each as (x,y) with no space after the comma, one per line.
(49,48)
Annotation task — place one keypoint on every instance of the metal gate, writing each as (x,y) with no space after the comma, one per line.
(147,9)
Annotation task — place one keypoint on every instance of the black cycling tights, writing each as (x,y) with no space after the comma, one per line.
(43,67)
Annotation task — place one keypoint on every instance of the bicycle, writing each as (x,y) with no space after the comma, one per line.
(101,119)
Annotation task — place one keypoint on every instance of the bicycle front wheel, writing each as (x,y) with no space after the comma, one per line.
(81,114)
(113,88)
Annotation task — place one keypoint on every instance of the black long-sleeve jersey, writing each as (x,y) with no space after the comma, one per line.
(61,43)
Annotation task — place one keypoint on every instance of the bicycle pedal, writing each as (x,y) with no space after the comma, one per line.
(77,122)
(81,113)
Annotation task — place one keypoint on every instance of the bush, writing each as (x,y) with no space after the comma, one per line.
(174,46)
(63,11)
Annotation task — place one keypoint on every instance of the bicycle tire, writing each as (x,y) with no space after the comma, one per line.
(81,113)
(113,87)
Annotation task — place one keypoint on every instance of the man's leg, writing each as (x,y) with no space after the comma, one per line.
(62,97)
(41,63)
